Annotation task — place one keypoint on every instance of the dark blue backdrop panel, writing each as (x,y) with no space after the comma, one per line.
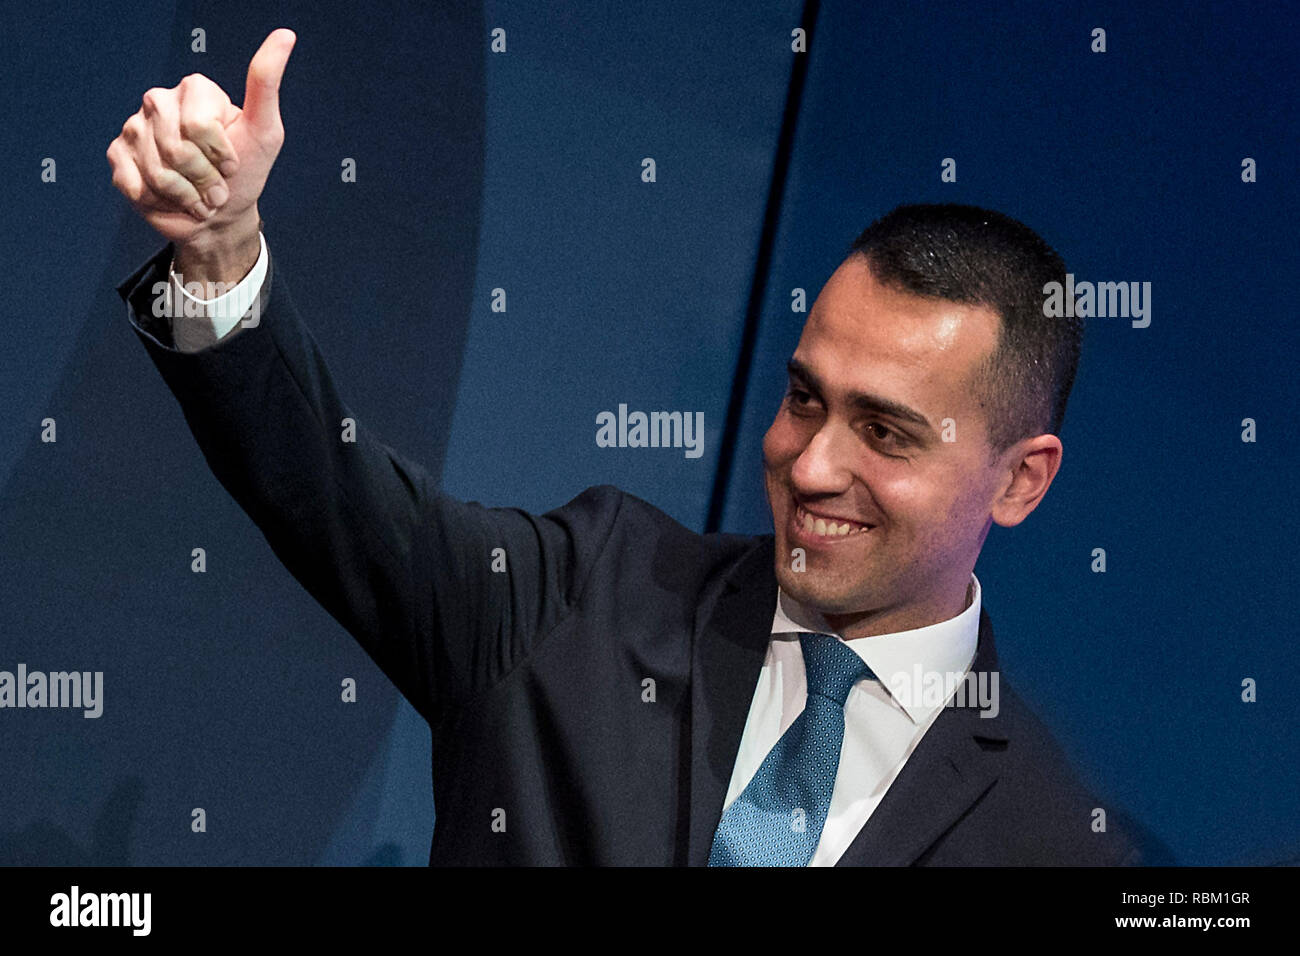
(72,76)
(1129,162)
(618,291)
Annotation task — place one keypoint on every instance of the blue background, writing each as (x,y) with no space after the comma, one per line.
(521,171)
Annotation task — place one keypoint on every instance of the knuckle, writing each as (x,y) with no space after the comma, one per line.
(193,127)
(168,152)
(150,180)
(151,98)
(174,186)
(123,185)
(150,175)
(157,178)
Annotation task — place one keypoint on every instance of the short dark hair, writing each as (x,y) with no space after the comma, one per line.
(980,257)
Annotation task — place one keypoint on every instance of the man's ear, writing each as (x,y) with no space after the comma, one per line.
(1030,464)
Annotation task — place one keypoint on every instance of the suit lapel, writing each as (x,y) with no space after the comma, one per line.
(732,629)
(953,766)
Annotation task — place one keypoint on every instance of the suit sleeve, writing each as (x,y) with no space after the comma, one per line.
(445,596)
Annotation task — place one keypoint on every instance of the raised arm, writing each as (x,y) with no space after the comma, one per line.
(445,596)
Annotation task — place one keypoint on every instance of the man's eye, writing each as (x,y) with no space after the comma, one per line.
(889,435)
(798,397)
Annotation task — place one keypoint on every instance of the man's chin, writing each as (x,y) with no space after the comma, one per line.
(824,600)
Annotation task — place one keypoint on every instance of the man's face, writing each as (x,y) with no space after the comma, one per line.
(859,441)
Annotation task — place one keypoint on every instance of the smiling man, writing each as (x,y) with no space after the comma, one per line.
(923,402)
(602,685)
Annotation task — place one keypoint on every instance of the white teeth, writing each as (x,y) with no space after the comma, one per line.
(821,526)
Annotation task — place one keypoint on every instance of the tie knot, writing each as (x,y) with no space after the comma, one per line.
(832,666)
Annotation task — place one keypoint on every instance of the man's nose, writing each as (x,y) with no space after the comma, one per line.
(822,467)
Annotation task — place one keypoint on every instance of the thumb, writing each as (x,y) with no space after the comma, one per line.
(262,88)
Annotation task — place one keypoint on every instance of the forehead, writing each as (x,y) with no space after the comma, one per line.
(863,335)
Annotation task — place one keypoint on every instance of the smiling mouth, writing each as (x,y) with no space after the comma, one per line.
(829,528)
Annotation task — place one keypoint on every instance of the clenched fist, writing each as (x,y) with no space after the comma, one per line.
(193,164)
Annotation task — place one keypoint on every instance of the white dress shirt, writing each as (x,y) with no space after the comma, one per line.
(881,729)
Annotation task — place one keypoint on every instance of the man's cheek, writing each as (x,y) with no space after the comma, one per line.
(771,441)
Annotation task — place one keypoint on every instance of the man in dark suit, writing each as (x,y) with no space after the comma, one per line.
(603,685)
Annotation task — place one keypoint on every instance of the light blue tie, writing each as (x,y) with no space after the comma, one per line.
(778,819)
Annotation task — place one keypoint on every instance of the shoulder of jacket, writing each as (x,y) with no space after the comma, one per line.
(643,525)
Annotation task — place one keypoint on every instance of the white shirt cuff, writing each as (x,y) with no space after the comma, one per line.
(198,323)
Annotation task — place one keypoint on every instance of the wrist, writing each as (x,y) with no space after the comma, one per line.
(220,255)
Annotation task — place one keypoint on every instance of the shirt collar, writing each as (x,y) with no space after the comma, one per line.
(903,660)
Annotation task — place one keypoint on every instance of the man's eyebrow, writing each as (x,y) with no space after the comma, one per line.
(863,401)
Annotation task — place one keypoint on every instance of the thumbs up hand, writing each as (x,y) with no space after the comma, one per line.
(193,164)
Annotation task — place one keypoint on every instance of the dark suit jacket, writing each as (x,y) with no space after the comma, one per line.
(546,749)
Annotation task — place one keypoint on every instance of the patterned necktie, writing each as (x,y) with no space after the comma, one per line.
(778,819)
